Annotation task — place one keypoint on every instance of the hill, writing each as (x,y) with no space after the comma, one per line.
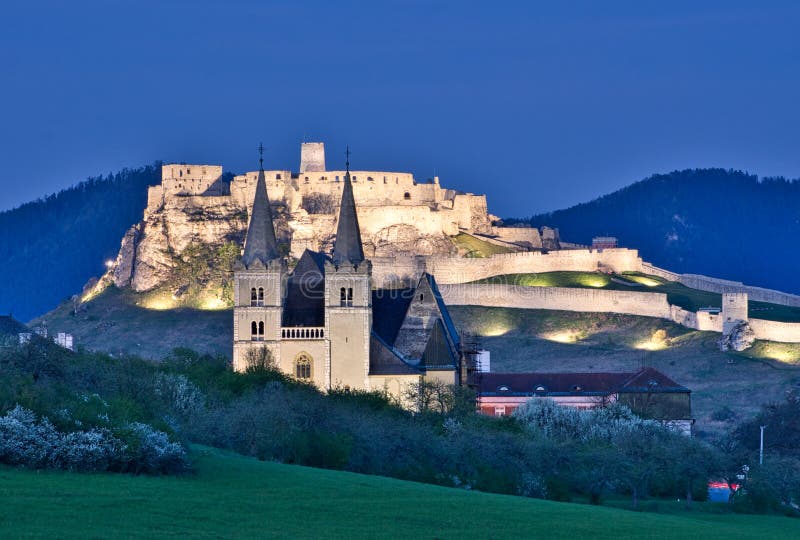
(519,340)
(716,222)
(231,496)
(49,248)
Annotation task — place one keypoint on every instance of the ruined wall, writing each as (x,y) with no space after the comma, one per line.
(558,298)
(519,235)
(776,331)
(643,304)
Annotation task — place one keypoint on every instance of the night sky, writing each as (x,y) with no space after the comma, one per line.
(540,106)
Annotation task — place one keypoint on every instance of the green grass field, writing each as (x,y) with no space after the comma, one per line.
(677,294)
(235,497)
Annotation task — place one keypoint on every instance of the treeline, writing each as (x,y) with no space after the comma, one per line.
(49,248)
(718,222)
(543,451)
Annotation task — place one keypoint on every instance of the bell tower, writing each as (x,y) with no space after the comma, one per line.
(259,285)
(348,298)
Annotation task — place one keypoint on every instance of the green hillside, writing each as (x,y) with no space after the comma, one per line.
(235,497)
(542,340)
(677,294)
(519,340)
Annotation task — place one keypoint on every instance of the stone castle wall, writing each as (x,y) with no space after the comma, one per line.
(643,304)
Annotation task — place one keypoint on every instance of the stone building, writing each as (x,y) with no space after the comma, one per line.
(324,323)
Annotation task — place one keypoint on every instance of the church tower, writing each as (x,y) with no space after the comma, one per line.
(259,283)
(348,298)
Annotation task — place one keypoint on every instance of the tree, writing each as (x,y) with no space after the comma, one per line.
(260,359)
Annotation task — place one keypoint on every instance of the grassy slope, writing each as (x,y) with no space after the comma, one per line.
(231,496)
(475,247)
(112,322)
(677,294)
(533,340)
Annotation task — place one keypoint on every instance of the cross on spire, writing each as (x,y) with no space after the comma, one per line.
(347,158)
(261,155)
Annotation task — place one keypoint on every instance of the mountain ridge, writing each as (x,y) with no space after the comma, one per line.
(715,222)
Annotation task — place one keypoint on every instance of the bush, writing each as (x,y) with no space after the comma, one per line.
(29,442)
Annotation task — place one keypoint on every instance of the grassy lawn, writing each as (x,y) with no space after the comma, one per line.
(677,294)
(475,247)
(235,497)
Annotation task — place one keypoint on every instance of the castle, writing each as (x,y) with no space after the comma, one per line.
(398,215)
(323,322)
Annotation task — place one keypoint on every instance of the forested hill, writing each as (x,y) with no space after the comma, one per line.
(49,248)
(721,223)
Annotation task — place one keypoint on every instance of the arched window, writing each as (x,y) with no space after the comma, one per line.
(350,297)
(261,331)
(260,296)
(253,330)
(342,297)
(421,297)
(253,296)
(302,366)
(407,195)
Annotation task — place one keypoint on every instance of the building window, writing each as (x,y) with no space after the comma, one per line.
(302,366)
(253,297)
(500,411)
(260,296)
(277,177)
(407,195)
(337,178)
(261,331)
(253,331)
(421,297)
(346,297)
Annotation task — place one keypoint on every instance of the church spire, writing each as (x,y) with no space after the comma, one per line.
(347,247)
(260,242)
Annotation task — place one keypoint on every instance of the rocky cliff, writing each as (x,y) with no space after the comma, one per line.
(193,212)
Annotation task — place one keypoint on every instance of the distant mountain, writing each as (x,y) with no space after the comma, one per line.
(49,248)
(721,223)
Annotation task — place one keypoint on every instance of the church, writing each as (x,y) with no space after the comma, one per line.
(323,322)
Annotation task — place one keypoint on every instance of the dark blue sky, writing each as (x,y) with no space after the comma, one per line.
(540,106)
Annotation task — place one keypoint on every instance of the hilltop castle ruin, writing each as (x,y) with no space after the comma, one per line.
(398,215)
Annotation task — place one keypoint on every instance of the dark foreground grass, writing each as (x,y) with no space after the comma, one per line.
(236,497)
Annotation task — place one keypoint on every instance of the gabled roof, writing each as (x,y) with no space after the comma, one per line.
(260,243)
(415,324)
(347,248)
(10,326)
(651,380)
(385,360)
(585,384)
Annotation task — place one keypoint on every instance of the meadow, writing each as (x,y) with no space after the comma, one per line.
(230,496)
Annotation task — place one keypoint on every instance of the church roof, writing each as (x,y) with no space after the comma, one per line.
(305,292)
(347,247)
(11,326)
(260,243)
(415,324)
(385,360)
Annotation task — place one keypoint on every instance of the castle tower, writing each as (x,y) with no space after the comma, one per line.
(348,298)
(734,310)
(258,290)
(312,157)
